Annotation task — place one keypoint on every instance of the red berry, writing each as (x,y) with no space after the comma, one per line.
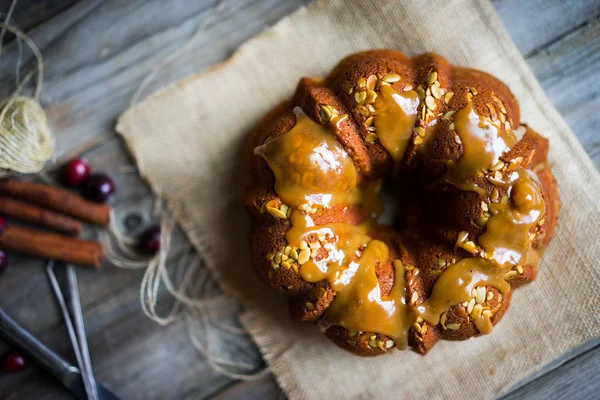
(3,261)
(100,188)
(13,362)
(150,240)
(3,224)
(76,172)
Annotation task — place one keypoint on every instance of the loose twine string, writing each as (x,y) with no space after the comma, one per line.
(26,142)
(190,296)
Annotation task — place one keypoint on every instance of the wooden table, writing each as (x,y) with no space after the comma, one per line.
(96,54)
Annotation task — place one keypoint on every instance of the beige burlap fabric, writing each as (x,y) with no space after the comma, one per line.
(189,141)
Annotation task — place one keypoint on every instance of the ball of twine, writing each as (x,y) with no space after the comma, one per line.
(26,142)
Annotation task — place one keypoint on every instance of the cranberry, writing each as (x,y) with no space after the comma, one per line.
(76,172)
(3,261)
(100,188)
(3,224)
(13,362)
(150,240)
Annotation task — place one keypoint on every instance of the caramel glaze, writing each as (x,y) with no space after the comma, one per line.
(483,143)
(456,284)
(507,237)
(395,117)
(315,170)
(310,165)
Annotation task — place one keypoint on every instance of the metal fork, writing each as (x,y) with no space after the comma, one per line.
(75,326)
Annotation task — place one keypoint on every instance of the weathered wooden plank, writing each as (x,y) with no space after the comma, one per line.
(572,378)
(265,388)
(30,13)
(568,72)
(533,24)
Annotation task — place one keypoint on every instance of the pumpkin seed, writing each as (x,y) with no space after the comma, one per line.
(481,293)
(360,96)
(277,213)
(304,256)
(510,274)
(326,113)
(371,81)
(362,110)
(498,166)
(371,137)
(448,115)
(371,96)
(391,78)
(482,221)
(435,91)
(432,77)
(430,102)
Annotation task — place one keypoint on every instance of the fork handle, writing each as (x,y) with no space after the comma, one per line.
(20,338)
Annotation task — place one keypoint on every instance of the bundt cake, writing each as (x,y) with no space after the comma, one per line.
(474,201)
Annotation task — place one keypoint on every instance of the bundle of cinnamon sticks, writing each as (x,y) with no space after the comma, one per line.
(56,209)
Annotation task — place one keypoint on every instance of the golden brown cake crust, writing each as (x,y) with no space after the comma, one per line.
(434,214)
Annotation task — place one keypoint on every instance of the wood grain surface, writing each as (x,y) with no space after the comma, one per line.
(96,54)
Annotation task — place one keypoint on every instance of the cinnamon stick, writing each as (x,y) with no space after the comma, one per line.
(57,199)
(51,245)
(39,216)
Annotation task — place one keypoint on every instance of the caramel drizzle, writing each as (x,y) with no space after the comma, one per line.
(359,304)
(311,168)
(507,236)
(456,283)
(483,143)
(395,117)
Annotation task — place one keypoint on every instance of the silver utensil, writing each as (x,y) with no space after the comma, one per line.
(80,329)
(68,375)
(75,326)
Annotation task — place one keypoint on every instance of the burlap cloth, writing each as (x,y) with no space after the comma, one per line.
(189,142)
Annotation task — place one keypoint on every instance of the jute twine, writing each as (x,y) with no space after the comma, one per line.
(188,291)
(26,142)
